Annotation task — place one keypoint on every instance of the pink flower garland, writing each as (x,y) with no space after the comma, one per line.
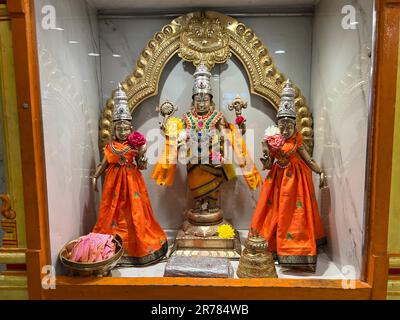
(216,156)
(276,141)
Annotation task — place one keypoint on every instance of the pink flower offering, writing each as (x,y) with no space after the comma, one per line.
(216,156)
(94,247)
(276,141)
(136,140)
(239,120)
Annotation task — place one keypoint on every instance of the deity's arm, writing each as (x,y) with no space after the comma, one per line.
(141,159)
(267,160)
(308,160)
(312,165)
(222,125)
(101,167)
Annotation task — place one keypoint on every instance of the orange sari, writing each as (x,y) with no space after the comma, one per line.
(287,213)
(125,209)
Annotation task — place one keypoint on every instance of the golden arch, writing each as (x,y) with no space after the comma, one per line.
(264,78)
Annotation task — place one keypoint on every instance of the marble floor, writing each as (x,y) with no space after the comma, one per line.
(326,269)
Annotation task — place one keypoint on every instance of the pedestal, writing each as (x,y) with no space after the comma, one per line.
(202,240)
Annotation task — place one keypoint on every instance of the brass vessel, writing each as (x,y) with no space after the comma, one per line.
(101,268)
(256,261)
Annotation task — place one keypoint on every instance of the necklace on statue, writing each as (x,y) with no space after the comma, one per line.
(201,121)
(122,160)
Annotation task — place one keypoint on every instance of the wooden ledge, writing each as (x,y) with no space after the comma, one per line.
(202,288)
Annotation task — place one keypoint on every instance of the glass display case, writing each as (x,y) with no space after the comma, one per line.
(154,52)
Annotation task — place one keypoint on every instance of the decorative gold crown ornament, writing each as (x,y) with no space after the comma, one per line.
(121,109)
(256,261)
(287,107)
(204,39)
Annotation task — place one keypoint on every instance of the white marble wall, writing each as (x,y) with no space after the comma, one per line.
(340,91)
(69,81)
(127,37)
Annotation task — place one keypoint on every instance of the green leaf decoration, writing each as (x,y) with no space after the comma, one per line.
(289,236)
(136,195)
(299,204)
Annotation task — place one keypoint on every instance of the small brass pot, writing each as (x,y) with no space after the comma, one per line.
(101,268)
(256,261)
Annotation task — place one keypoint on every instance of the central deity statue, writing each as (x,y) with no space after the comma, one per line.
(200,139)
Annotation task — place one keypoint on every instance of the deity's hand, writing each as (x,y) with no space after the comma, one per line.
(242,162)
(94,184)
(266,161)
(142,163)
(220,163)
(323,183)
(265,148)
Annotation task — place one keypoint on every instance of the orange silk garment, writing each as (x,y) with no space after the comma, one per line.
(125,207)
(287,214)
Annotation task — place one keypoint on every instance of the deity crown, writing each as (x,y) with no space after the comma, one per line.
(287,107)
(121,109)
(202,80)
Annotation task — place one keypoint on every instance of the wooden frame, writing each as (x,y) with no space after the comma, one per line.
(32,150)
(394,218)
(13,280)
(374,281)
(8,110)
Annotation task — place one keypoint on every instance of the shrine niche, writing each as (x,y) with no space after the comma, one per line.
(279,82)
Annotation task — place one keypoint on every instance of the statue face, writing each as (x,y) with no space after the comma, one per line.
(202,103)
(287,127)
(122,130)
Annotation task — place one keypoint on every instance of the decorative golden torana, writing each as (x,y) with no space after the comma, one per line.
(208,37)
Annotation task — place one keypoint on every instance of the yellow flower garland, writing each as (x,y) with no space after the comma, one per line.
(173,127)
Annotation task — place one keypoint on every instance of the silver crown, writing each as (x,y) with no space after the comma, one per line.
(121,109)
(287,108)
(202,80)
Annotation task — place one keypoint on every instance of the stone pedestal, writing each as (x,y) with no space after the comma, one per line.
(199,238)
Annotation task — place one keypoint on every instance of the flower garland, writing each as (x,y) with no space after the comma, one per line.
(274,138)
